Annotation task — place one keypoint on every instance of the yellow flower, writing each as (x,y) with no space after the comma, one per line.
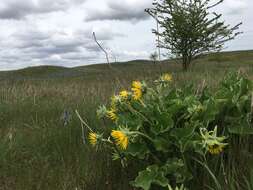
(120,138)
(166,77)
(137,90)
(136,84)
(215,149)
(123,94)
(112,114)
(93,137)
(137,93)
(211,142)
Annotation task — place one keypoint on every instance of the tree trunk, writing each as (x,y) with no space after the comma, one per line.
(186,62)
(185,66)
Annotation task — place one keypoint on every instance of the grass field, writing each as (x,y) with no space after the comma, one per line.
(41,145)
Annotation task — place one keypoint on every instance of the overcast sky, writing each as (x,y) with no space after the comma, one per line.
(59,32)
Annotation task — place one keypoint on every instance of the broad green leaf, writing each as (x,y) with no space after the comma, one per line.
(164,123)
(185,138)
(152,175)
(177,168)
(162,144)
(137,150)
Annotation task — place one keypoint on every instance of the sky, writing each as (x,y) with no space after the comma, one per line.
(59,32)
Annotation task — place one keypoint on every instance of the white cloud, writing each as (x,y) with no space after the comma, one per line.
(120,10)
(236,6)
(42,32)
(17,9)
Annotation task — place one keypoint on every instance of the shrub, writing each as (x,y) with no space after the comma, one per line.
(176,132)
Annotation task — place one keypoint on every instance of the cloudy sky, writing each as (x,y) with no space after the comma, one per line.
(59,32)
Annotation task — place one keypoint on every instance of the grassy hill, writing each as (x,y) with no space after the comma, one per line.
(227,59)
(41,145)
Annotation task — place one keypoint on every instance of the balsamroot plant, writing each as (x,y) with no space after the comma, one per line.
(175,132)
(191,28)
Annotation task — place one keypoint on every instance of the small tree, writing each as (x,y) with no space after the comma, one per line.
(153,57)
(190,29)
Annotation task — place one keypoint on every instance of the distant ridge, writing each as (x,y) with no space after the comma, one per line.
(50,72)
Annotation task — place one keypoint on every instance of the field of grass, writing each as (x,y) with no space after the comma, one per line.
(41,144)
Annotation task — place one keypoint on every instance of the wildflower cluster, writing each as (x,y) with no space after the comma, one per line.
(124,97)
(119,103)
(173,129)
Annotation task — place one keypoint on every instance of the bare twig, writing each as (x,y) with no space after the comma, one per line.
(106,54)
(82,121)
(158,39)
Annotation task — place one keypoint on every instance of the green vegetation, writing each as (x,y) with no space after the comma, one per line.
(192,28)
(175,132)
(39,151)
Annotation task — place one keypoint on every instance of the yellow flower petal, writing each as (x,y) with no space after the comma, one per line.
(215,149)
(136,84)
(137,90)
(120,138)
(112,114)
(93,138)
(123,94)
(167,77)
(137,93)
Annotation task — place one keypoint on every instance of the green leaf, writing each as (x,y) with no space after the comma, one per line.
(152,175)
(184,137)
(161,144)
(137,150)
(211,111)
(177,168)
(164,123)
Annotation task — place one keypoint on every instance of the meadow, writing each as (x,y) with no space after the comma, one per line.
(41,140)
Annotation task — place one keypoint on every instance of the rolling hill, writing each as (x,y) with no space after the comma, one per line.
(219,60)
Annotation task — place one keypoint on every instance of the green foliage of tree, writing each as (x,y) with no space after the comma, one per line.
(191,28)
